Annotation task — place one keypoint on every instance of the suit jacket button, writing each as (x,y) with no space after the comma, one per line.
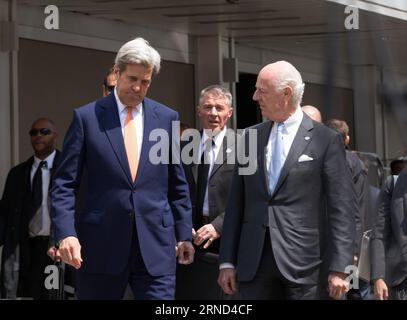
(264,225)
(130,214)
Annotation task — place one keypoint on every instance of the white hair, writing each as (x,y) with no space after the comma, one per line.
(138,51)
(290,76)
(218,91)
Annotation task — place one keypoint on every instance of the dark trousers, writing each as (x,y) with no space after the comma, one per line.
(31,283)
(399,292)
(91,286)
(270,284)
(198,281)
(365,292)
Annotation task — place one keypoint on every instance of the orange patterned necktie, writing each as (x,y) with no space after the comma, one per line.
(130,142)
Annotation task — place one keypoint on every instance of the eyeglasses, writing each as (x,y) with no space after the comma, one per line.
(43,131)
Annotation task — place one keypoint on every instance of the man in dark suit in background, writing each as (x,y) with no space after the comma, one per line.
(209,185)
(359,178)
(364,202)
(389,241)
(25,223)
(135,210)
(272,232)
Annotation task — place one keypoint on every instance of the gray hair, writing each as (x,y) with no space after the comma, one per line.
(138,51)
(218,91)
(291,77)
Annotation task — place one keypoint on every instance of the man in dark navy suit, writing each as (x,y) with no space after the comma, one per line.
(135,211)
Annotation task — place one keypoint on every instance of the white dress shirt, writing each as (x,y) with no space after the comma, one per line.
(218,139)
(44,208)
(137,113)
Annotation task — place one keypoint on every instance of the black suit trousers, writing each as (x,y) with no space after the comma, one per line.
(31,283)
(270,284)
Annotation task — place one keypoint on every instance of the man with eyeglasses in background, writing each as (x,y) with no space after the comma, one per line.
(24,218)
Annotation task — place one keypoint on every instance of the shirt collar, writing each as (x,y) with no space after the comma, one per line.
(218,138)
(49,160)
(121,107)
(293,122)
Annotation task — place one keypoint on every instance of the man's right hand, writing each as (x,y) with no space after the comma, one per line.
(227,280)
(70,251)
(380,290)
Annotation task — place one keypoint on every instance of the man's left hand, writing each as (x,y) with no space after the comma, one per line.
(185,252)
(338,285)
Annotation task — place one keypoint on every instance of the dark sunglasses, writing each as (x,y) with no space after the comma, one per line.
(43,131)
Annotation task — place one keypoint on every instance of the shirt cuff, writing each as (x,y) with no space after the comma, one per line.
(226,265)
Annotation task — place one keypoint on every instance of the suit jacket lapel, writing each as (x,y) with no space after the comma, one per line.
(194,169)
(222,153)
(150,123)
(27,174)
(191,169)
(226,150)
(301,140)
(27,190)
(53,169)
(262,138)
(113,129)
(194,164)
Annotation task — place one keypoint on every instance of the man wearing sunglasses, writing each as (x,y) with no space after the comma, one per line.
(24,217)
